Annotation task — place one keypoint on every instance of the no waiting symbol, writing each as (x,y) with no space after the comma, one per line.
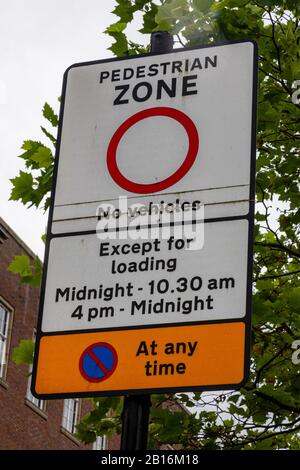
(98,361)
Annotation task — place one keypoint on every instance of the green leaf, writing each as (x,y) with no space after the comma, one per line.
(164,26)
(149,23)
(37,273)
(202,5)
(49,135)
(293,299)
(43,157)
(120,47)
(23,353)
(116,28)
(50,115)
(124,10)
(31,146)
(21,265)
(29,273)
(296,383)
(165,15)
(22,187)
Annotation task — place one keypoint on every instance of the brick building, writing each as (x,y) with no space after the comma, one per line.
(26,422)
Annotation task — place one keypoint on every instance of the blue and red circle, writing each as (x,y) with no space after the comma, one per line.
(98,362)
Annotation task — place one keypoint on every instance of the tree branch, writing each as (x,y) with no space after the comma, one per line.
(267,436)
(275,276)
(285,406)
(279,247)
(264,366)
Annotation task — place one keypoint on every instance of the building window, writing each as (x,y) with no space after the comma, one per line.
(71,414)
(40,404)
(100,443)
(5,327)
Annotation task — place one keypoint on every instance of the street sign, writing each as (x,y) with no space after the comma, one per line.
(91,291)
(97,362)
(147,278)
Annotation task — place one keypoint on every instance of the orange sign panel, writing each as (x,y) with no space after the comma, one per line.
(141,359)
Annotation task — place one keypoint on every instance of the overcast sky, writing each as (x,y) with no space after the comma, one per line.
(38,41)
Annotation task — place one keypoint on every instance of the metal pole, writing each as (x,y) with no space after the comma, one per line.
(135,419)
(161,41)
(136,409)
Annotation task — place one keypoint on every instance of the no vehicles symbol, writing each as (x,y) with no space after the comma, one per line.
(98,361)
(190,157)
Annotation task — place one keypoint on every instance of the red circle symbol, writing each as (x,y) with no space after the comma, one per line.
(133,187)
(98,362)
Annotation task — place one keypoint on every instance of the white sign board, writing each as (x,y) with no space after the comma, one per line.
(153,283)
(156,110)
(150,226)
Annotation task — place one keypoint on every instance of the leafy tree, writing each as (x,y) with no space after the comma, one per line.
(265,414)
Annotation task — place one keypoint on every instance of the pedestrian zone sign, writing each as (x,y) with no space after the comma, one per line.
(147,275)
